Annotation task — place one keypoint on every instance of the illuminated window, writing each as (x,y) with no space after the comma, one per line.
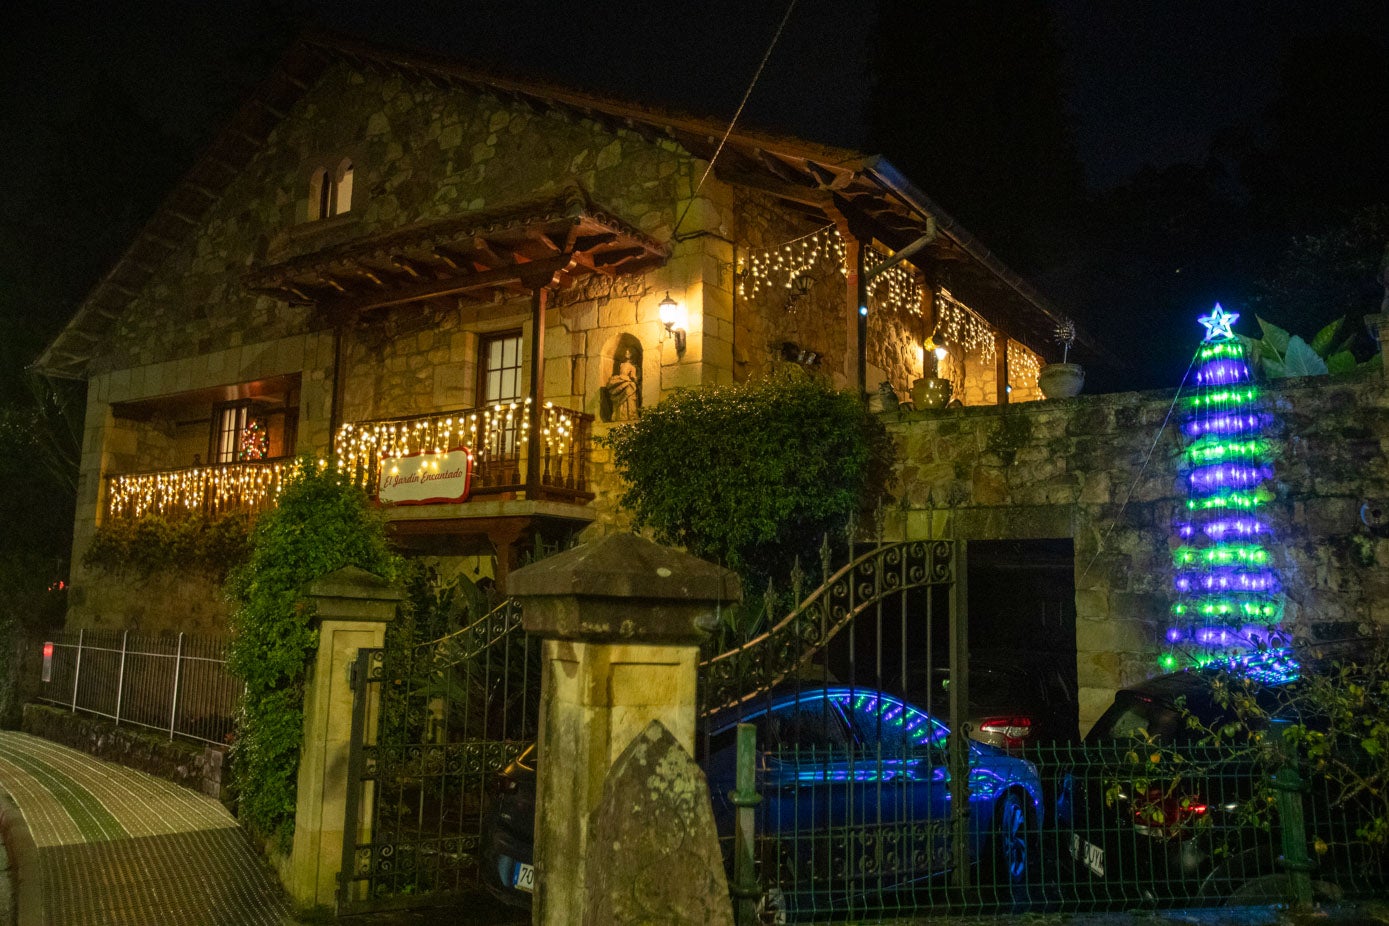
(330,191)
(229,421)
(501,368)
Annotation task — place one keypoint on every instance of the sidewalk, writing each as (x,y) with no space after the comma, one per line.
(96,844)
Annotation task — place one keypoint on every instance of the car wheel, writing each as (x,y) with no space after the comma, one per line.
(771,908)
(1012,856)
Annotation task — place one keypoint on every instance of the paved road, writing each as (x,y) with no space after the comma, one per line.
(116,847)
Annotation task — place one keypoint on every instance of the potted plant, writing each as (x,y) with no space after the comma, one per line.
(931,391)
(1065,379)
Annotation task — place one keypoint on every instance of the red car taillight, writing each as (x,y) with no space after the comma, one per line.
(1163,814)
(1014,730)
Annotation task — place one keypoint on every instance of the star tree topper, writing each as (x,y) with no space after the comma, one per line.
(1218,324)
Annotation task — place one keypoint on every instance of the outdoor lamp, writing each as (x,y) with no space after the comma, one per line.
(672,316)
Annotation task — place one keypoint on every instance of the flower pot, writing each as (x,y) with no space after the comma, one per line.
(1061,380)
(931,392)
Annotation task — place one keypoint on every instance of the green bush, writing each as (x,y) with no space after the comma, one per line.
(754,475)
(145,546)
(321,524)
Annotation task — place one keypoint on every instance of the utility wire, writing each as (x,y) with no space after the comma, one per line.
(1141,470)
(734,121)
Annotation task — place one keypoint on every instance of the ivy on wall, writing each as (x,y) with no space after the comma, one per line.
(152,544)
(321,524)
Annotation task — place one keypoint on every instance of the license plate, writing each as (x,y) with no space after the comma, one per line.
(523,878)
(1088,854)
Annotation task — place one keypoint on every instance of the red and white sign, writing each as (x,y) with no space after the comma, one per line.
(426,478)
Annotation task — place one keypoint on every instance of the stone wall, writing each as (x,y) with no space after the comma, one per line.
(1102,470)
(198,766)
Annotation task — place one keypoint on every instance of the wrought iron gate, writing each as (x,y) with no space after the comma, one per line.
(432,725)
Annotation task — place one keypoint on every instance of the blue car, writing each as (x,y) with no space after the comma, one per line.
(855,802)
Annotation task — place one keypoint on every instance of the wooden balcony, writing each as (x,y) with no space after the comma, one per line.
(508,458)
(197,490)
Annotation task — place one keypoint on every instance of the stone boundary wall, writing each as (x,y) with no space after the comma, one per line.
(1102,470)
(198,766)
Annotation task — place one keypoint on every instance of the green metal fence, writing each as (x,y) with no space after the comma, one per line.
(870,834)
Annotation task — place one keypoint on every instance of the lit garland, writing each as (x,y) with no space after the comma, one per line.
(497,433)
(196,489)
(778,267)
(957,323)
(1023,366)
(1228,594)
(895,288)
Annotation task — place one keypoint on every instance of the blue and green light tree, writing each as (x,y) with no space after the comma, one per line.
(1228,593)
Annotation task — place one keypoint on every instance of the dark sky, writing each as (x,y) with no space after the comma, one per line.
(1151,80)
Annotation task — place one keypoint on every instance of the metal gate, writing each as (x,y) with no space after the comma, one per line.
(432,725)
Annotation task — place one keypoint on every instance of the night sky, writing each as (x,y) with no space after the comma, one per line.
(1149,82)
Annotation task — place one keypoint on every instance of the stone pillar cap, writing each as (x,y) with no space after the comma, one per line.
(626,566)
(353,582)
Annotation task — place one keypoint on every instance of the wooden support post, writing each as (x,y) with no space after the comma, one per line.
(535,444)
(1001,367)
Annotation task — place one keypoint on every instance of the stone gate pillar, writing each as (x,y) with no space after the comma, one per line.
(351,610)
(621,620)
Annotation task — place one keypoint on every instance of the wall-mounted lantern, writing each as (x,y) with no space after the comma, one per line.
(674,319)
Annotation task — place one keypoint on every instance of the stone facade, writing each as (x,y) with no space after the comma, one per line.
(198,333)
(1102,470)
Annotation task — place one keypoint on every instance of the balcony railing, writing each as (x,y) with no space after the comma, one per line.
(206,490)
(500,439)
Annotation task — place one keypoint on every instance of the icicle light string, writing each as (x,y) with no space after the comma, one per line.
(1023,366)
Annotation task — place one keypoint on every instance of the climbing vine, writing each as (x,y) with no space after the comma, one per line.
(322,524)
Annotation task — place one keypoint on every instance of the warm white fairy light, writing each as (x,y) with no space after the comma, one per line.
(1023,366)
(895,288)
(196,489)
(498,432)
(769,269)
(957,323)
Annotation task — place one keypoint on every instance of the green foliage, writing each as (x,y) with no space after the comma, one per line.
(144,546)
(321,524)
(1332,726)
(754,475)
(1280,354)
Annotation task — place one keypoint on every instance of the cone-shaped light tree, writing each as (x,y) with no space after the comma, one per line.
(1227,591)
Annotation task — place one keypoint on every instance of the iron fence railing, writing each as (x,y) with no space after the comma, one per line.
(844,831)
(176,684)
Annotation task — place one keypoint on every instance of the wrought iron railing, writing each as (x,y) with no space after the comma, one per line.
(207,490)
(743,673)
(499,438)
(176,684)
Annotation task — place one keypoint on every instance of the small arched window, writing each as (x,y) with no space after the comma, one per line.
(330,192)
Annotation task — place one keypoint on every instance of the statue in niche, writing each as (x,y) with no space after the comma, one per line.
(622,391)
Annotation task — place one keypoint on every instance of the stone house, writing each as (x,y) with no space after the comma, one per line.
(393,257)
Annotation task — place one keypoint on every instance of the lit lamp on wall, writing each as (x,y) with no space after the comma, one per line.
(673,317)
(931,391)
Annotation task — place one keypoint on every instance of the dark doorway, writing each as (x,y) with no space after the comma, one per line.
(1022,617)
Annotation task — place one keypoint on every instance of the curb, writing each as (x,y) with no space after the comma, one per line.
(26,872)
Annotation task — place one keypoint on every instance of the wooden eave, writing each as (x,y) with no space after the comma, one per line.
(511,249)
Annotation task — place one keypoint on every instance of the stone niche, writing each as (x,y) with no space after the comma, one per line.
(620,392)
